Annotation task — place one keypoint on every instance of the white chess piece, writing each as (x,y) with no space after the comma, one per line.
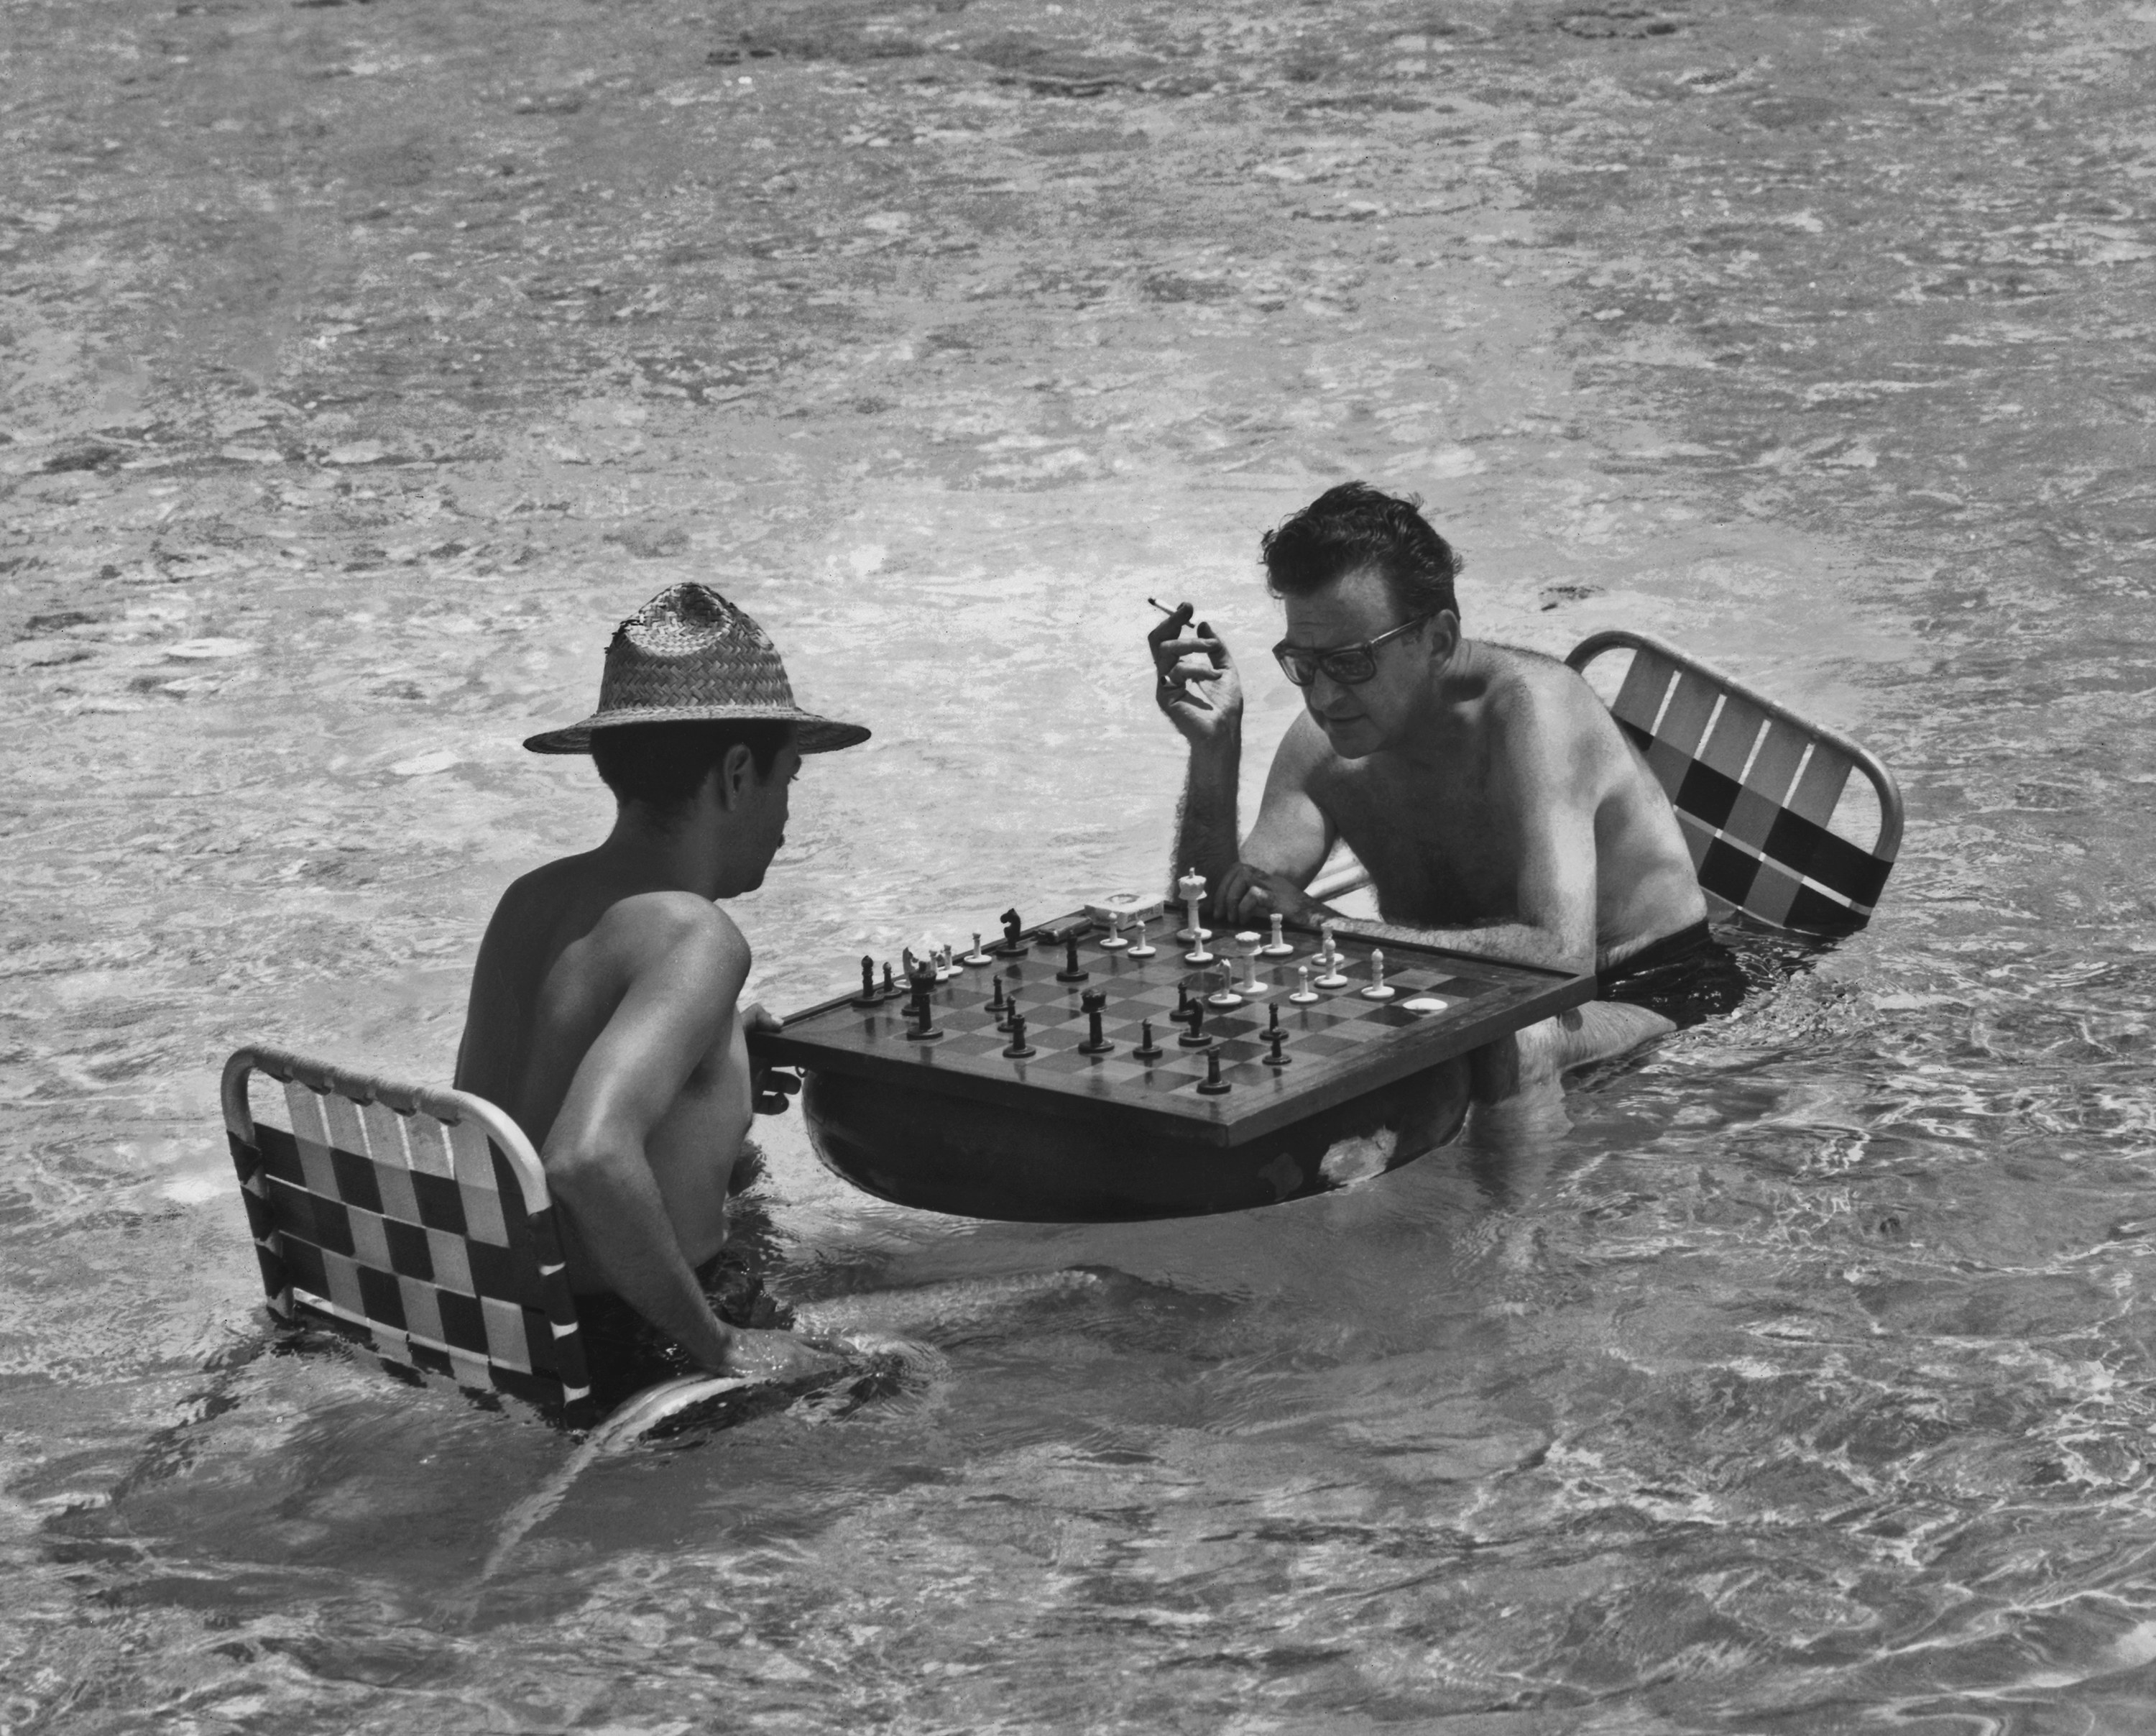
(1379,990)
(976,956)
(1304,994)
(1252,985)
(1225,995)
(1279,946)
(1332,977)
(1191,890)
(1191,887)
(1142,947)
(1113,941)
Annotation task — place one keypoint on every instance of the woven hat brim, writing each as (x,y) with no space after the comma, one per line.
(811,734)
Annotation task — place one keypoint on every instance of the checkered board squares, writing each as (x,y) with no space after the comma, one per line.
(1756,795)
(411,1233)
(1338,1047)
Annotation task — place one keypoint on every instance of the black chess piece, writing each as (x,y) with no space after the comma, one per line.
(1018,1049)
(1147,1049)
(869,996)
(890,982)
(1276,1036)
(1191,1014)
(920,1012)
(1212,1085)
(1013,944)
(1095,1001)
(1072,971)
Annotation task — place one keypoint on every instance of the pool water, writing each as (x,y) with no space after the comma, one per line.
(365,363)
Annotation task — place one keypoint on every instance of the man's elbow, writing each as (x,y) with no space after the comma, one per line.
(584,1172)
(1569,946)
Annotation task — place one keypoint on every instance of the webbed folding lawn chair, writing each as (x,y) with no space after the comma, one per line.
(1763,797)
(416,1222)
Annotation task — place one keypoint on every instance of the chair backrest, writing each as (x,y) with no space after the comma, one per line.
(1756,789)
(416,1221)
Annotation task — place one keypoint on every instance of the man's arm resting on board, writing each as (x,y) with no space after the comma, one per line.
(682,992)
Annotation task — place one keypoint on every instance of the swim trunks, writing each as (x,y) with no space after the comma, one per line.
(1688,978)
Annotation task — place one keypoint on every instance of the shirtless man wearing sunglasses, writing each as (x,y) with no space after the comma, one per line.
(1486,790)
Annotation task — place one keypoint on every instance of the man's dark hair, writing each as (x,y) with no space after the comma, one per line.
(1355,526)
(663,765)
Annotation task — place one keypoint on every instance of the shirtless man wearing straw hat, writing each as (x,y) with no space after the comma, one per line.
(603,1014)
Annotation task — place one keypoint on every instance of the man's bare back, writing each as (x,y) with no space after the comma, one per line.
(564,953)
(605,1013)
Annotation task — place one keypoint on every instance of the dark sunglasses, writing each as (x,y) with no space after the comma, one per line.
(1350,666)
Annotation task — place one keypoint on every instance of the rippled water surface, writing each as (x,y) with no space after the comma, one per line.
(362,363)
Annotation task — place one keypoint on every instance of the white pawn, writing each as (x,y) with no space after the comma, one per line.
(1113,941)
(1251,985)
(1329,952)
(1304,994)
(1332,958)
(976,956)
(946,965)
(1379,990)
(1278,947)
(1142,947)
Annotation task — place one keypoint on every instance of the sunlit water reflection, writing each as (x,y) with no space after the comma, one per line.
(1805,1386)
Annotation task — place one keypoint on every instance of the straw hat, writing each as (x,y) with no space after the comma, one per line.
(690,656)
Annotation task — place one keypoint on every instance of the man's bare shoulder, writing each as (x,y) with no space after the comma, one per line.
(568,910)
(1528,686)
(672,925)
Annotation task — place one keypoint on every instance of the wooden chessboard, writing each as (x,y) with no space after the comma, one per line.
(1338,1048)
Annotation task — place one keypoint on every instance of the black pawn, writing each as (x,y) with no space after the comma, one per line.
(1072,971)
(1147,1049)
(890,982)
(1095,1001)
(1212,1085)
(1193,1016)
(1277,1036)
(1018,1049)
(869,996)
